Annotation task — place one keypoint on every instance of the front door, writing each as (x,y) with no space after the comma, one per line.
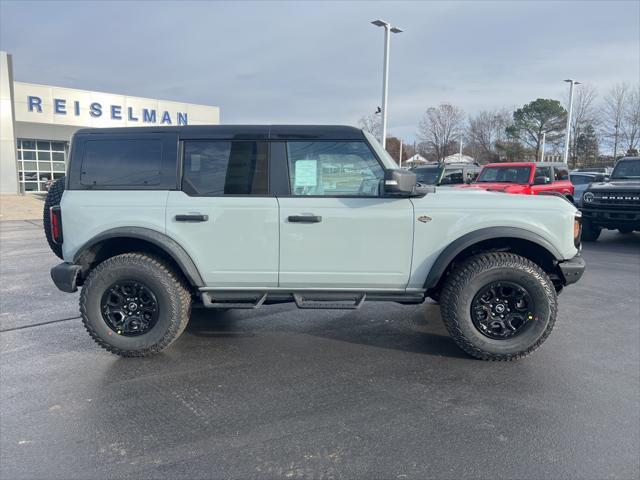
(336,231)
(224,216)
(547,187)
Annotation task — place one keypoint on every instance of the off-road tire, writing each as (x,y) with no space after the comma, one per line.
(54,195)
(467,279)
(625,231)
(173,296)
(589,232)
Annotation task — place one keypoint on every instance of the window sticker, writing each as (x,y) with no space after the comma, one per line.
(306,173)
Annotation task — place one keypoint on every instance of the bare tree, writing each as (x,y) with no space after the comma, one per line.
(372,123)
(612,115)
(439,127)
(631,121)
(484,130)
(584,113)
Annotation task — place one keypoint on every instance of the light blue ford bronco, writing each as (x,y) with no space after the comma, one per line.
(149,221)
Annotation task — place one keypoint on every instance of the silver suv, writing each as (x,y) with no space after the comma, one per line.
(149,221)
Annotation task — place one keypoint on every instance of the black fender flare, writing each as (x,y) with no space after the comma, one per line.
(160,240)
(477,236)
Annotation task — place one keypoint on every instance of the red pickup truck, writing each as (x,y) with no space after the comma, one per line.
(530,178)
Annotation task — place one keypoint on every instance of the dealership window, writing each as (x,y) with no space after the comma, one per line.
(39,162)
(225,168)
(333,169)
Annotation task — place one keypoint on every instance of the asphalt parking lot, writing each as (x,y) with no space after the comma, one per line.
(381,392)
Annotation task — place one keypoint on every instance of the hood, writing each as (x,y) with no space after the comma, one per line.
(616,185)
(475,198)
(491,186)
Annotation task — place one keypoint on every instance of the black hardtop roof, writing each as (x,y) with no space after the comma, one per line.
(254,132)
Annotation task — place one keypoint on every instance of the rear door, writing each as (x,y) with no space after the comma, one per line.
(224,215)
(336,231)
(561,182)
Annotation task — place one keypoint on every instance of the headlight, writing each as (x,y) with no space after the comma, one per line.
(588,197)
(577,228)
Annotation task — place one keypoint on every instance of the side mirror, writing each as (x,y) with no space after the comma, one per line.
(399,183)
(541,180)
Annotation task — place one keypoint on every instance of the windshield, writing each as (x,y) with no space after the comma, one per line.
(387,159)
(505,174)
(626,169)
(581,179)
(427,175)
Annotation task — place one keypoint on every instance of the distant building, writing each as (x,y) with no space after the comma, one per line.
(457,158)
(37,122)
(417,159)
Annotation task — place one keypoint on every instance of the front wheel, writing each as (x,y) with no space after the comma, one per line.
(498,306)
(134,305)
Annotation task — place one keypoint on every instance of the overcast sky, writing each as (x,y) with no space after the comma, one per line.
(321,62)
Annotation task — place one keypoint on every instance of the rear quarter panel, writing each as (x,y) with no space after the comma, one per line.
(87,213)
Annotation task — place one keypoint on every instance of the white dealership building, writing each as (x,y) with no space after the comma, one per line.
(37,121)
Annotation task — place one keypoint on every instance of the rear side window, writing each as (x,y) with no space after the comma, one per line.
(122,163)
(214,168)
(560,173)
(452,176)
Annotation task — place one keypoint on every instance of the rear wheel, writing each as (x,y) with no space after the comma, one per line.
(589,232)
(134,305)
(498,306)
(53,198)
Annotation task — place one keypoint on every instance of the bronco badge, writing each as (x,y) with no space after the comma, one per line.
(424,219)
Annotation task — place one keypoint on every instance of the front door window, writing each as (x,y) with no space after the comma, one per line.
(333,169)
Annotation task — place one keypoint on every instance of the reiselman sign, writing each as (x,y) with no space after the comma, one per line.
(81,108)
(96,110)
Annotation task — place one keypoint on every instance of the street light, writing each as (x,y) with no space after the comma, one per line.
(385,73)
(544,139)
(568,134)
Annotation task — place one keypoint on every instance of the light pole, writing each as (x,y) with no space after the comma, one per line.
(388,29)
(544,139)
(568,134)
(615,143)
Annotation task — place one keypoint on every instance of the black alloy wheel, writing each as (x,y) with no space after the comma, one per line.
(129,308)
(502,310)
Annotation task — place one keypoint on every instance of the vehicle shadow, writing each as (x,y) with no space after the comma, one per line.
(412,328)
(615,242)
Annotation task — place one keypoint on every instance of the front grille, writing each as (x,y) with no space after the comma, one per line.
(615,199)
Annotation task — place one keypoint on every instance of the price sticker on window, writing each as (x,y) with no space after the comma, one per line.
(306,173)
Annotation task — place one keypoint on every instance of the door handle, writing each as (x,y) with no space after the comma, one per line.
(192,217)
(305,218)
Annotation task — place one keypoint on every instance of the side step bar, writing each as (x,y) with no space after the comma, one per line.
(231,300)
(328,301)
(304,300)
